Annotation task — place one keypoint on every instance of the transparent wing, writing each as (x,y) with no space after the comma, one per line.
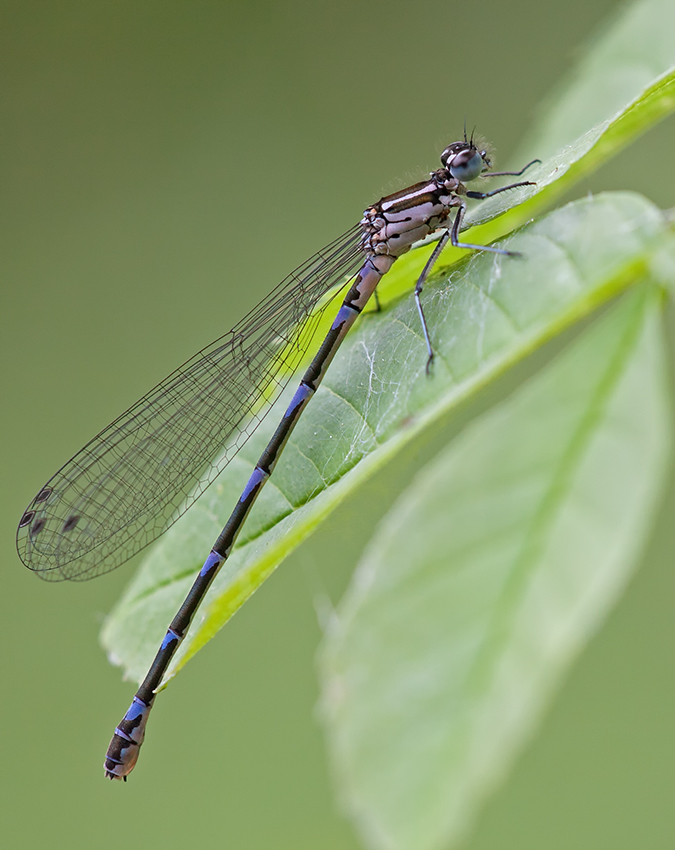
(131,482)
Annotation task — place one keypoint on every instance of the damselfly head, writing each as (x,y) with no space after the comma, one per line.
(465,161)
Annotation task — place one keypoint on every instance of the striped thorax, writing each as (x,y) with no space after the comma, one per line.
(395,223)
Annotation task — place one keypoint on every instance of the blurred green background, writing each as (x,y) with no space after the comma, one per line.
(164,164)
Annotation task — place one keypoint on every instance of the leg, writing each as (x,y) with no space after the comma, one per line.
(454,234)
(481,196)
(377,308)
(442,242)
(511,173)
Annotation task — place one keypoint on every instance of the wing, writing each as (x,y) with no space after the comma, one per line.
(131,482)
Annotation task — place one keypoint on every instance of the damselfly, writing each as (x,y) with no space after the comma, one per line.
(132,481)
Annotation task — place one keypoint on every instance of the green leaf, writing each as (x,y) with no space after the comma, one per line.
(488,576)
(484,315)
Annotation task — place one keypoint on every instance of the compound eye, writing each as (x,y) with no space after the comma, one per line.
(451,151)
(466,165)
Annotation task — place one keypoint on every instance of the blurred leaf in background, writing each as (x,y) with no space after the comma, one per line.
(487,577)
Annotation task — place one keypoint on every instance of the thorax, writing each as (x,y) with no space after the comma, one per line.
(395,222)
